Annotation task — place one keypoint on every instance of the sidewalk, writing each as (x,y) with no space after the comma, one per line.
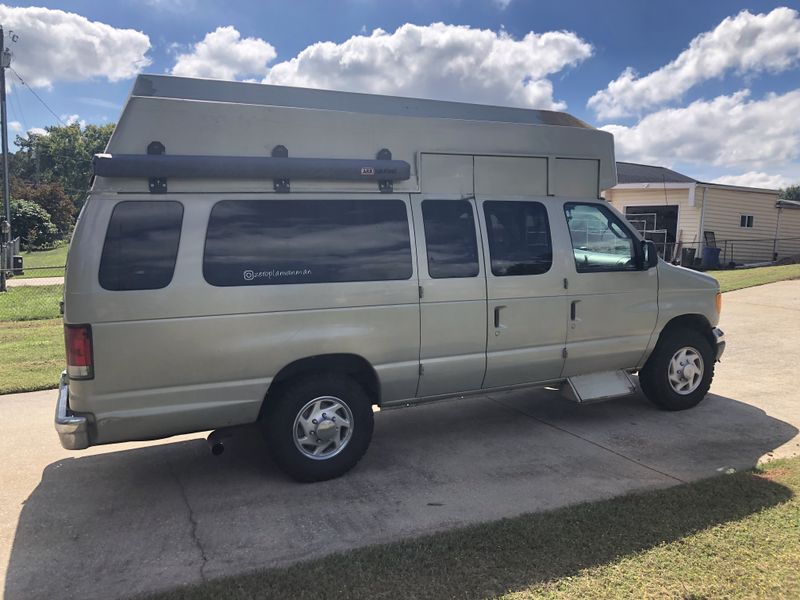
(17,282)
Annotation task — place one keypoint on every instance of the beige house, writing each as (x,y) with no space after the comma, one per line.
(748,225)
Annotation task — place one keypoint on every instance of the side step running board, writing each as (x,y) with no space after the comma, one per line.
(597,387)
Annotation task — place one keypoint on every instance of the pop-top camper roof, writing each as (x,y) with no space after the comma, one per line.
(195,135)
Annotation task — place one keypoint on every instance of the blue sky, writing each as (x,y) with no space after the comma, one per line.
(714,92)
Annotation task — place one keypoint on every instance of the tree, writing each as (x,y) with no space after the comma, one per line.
(51,197)
(62,155)
(32,223)
(791,193)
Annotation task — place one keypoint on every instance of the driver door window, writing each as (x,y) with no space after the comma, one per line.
(600,242)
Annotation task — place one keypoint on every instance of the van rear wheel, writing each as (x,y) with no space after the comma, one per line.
(318,426)
(678,373)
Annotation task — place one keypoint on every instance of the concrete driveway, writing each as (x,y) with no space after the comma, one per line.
(120,520)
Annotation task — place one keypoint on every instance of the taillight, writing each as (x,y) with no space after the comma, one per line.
(80,360)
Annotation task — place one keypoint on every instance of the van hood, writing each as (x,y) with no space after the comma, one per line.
(674,277)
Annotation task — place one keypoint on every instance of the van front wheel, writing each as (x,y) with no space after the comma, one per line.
(678,374)
(318,426)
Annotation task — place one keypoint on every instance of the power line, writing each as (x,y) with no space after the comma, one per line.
(15,98)
(22,81)
(16,112)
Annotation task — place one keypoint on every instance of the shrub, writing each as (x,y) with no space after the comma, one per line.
(51,197)
(32,223)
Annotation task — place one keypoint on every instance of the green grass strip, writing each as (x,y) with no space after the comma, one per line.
(743,278)
(30,302)
(32,355)
(55,259)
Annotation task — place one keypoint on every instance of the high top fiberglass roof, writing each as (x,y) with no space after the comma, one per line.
(210,90)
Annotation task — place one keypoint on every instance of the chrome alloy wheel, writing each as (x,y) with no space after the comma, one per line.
(685,370)
(323,427)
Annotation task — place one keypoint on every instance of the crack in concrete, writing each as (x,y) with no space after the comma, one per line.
(192,522)
(585,439)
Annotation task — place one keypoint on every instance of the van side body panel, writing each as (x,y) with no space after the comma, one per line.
(192,356)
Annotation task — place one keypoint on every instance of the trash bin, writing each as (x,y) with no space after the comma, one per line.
(687,257)
(710,258)
(17,265)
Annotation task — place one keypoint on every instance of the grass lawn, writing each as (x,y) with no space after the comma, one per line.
(742,278)
(44,258)
(33,355)
(732,536)
(30,302)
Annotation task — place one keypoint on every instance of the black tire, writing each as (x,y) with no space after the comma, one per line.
(279,425)
(654,377)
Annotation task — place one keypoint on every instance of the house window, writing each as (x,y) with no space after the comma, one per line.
(746,221)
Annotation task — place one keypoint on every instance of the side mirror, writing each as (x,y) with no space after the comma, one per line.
(649,255)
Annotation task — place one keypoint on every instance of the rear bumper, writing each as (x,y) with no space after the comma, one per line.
(719,336)
(73,430)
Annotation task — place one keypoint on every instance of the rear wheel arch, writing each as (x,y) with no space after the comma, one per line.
(351,365)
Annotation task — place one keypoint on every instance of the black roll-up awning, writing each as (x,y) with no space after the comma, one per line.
(249,167)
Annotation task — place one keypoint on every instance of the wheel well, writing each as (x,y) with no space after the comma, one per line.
(693,322)
(353,365)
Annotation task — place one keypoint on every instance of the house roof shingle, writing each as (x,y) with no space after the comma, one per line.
(636,173)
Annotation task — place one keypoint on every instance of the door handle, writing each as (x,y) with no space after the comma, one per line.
(497,310)
(573,310)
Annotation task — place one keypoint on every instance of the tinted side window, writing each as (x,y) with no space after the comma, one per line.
(141,245)
(273,242)
(600,242)
(519,238)
(450,238)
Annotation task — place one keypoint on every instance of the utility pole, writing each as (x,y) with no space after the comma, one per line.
(5,228)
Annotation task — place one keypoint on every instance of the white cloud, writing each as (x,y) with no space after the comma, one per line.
(72,119)
(15,126)
(224,54)
(55,45)
(757,179)
(37,131)
(728,131)
(501,4)
(744,44)
(440,61)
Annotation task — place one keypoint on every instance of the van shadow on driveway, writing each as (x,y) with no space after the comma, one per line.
(122,523)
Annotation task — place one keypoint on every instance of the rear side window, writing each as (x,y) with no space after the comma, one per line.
(141,245)
(519,238)
(450,238)
(274,242)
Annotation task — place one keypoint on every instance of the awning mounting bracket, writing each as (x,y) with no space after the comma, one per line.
(281,184)
(385,186)
(157,185)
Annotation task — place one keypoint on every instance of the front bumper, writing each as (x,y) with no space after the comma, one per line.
(719,336)
(73,430)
